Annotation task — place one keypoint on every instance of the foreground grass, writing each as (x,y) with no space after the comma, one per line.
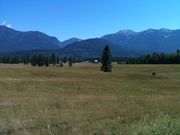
(84,101)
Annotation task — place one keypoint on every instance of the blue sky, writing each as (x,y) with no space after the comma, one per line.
(89,18)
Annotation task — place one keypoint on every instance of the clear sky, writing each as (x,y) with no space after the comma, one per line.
(89,18)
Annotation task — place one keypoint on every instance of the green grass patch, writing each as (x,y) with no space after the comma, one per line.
(81,100)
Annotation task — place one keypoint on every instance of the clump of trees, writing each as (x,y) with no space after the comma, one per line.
(106,60)
(154,58)
(39,60)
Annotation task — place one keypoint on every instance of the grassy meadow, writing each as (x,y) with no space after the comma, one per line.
(81,100)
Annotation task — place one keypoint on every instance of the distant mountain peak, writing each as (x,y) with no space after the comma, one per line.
(12,40)
(71,41)
(154,30)
(126,31)
(165,30)
(148,41)
(74,38)
(150,30)
(4,27)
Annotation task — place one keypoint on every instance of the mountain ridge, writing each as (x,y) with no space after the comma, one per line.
(129,41)
(148,41)
(70,41)
(12,40)
(94,47)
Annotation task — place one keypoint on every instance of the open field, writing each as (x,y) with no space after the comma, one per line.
(81,100)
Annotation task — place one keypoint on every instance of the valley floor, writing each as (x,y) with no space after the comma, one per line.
(81,100)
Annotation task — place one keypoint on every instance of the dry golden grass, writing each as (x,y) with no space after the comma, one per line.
(81,100)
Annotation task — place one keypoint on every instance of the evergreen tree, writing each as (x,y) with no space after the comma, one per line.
(70,62)
(41,60)
(53,59)
(65,60)
(25,60)
(47,61)
(33,60)
(106,60)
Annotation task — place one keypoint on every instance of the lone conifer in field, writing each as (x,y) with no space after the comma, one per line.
(106,60)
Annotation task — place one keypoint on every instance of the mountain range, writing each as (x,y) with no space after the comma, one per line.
(93,48)
(122,43)
(148,41)
(12,40)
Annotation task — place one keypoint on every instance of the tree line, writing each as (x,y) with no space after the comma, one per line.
(42,60)
(39,60)
(154,58)
(106,59)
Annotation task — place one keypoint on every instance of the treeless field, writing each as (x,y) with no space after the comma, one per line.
(81,100)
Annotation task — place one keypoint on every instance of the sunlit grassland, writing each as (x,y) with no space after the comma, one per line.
(81,100)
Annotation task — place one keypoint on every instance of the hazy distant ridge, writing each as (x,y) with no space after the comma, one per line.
(151,40)
(122,43)
(12,40)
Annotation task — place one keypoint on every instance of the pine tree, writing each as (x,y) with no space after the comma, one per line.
(106,60)
(70,62)
(33,60)
(25,60)
(47,61)
(53,59)
(40,60)
(65,60)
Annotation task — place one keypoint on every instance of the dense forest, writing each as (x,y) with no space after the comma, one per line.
(38,60)
(154,58)
(53,59)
